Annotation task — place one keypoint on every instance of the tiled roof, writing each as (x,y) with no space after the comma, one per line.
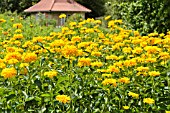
(57,6)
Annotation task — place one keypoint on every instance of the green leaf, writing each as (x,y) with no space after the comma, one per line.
(45,95)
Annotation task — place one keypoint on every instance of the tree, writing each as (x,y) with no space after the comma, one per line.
(143,15)
(97,7)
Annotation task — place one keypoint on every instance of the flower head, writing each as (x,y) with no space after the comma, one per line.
(8,72)
(124,80)
(133,94)
(109,81)
(29,57)
(63,98)
(62,16)
(125,107)
(149,100)
(50,74)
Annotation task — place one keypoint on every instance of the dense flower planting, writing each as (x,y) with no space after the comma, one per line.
(82,68)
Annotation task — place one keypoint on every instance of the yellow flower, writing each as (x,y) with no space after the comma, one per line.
(130,63)
(113,69)
(96,53)
(167,111)
(164,55)
(127,50)
(125,107)
(152,49)
(137,50)
(106,75)
(148,100)
(2,20)
(17,25)
(107,17)
(109,81)
(2,65)
(98,64)
(143,69)
(76,39)
(63,98)
(23,65)
(133,94)
(12,61)
(13,55)
(29,57)
(69,50)
(154,73)
(50,74)
(84,62)
(112,57)
(62,16)
(8,72)
(124,80)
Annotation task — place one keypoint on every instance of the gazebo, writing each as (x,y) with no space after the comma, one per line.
(51,9)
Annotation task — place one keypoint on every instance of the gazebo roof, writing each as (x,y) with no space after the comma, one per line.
(57,6)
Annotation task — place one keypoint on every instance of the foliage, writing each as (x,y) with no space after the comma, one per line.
(143,15)
(82,68)
(97,7)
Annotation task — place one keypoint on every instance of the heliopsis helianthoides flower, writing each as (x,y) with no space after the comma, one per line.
(53,34)
(2,65)
(126,107)
(124,80)
(109,82)
(18,31)
(134,95)
(12,61)
(150,60)
(112,57)
(119,21)
(11,49)
(50,74)
(152,49)
(38,39)
(29,57)
(69,50)
(96,64)
(62,16)
(154,73)
(2,20)
(153,34)
(137,50)
(119,64)
(149,100)
(127,50)
(57,43)
(18,36)
(9,72)
(27,44)
(17,25)
(167,111)
(142,73)
(106,75)
(84,62)
(96,53)
(23,65)
(13,55)
(129,63)
(164,55)
(144,69)
(63,98)
(107,17)
(113,69)
(76,39)
(102,70)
